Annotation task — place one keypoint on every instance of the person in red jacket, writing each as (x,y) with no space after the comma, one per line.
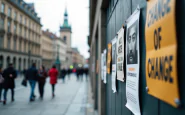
(53,73)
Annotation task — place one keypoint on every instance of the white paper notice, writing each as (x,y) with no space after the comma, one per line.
(102,56)
(104,66)
(132,63)
(120,55)
(114,64)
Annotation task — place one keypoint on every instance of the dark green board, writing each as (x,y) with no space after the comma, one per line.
(117,13)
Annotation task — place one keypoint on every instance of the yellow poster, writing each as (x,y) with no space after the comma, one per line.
(161,51)
(97,66)
(109,58)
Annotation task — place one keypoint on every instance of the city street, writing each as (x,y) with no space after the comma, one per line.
(71,99)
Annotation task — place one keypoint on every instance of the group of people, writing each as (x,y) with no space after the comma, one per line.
(32,75)
(78,71)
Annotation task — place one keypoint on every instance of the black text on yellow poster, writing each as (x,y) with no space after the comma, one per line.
(161,47)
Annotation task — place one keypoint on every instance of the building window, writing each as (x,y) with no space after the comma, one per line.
(2,7)
(15,44)
(15,15)
(25,32)
(28,34)
(20,18)
(9,12)
(28,47)
(15,28)
(20,31)
(1,23)
(25,21)
(20,46)
(33,37)
(33,26)
(1,41)
(8,43)
(30,24)
(65,38)
(9,26)
(37,38)
(25,48)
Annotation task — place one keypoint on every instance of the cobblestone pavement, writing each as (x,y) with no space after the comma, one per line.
(71,99)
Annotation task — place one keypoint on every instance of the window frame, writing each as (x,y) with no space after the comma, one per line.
(3,7)
(9,11)
(9,26)
(15,15)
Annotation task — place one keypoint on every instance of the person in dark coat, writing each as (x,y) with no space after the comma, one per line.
(81,73)
(78,73)
(1,84)
(63,74)
(32,77)
(9,75)
(69,73)
(86,71)
(24,72)
(42,80)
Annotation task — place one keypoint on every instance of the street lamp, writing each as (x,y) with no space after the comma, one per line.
(57,62)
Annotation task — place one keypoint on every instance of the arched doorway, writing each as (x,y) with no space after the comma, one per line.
(19,65)
(7,61)
(14,62)
(1,61)
(36,64)
(39,63)
(24,64)
(28,66)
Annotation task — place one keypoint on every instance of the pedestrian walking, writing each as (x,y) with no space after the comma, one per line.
(77,73)
(42,80)
(86,71)
(24,72)
(53,73)
(68,73)
(9,75)
(63,74)
(81,73)
(1,83)
(32,77)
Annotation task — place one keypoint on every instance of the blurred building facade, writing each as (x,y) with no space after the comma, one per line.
(61,48)
(77,59)
(47,49)
(53,46)
(22,41)
(20,32)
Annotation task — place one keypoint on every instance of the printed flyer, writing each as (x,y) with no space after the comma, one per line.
(132,63)
(120,55)
(104,67)
(114,64)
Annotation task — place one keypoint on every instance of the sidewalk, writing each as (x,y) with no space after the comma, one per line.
(71,99)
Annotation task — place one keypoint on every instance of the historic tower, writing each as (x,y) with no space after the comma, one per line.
(65,30)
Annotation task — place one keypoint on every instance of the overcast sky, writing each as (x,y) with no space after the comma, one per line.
(52,16)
